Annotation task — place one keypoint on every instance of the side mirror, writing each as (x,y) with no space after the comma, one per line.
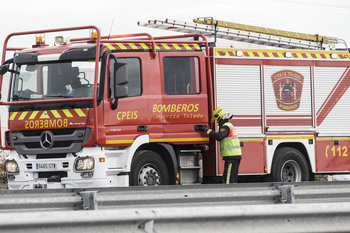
(121,91)
(4,68)
(120,80)
(121,73)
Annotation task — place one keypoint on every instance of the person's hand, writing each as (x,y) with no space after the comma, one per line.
(204,128)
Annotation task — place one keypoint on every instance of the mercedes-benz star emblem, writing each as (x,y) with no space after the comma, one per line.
(46,139)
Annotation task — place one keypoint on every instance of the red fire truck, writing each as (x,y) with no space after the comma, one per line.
(125,110)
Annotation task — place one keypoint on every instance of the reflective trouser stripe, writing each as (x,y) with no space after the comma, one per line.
(228,176)
(230,148)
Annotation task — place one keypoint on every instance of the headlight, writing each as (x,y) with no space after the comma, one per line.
(84,163)
(11,167)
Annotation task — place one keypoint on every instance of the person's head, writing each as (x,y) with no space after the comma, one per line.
(218,113)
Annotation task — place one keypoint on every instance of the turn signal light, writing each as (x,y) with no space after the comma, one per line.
(102,160)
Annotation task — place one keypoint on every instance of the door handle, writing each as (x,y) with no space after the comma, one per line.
(199,127)
(142,128)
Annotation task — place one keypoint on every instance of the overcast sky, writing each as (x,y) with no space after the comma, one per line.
(324,17)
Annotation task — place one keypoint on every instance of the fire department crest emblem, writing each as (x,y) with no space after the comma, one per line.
(287,85)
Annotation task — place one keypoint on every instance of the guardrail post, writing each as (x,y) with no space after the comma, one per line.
(89,200)
(147,226)
(287,194)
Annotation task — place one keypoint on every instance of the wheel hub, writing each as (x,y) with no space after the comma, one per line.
(291,172)
(149,176)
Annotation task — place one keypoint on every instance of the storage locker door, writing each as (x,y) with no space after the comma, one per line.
(288,102)
(239,93)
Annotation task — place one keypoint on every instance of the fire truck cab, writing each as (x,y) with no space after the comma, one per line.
(99,112)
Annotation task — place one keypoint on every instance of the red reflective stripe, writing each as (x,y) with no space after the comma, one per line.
(233,131)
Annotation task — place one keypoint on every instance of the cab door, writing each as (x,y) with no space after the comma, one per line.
(184,97)
(130,118)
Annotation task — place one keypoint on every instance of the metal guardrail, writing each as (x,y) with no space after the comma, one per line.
(313,207)
(229,218)
(194,195)
(84,199)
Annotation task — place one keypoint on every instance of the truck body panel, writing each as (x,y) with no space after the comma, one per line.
(128,110)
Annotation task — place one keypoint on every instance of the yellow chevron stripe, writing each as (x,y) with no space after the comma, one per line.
(260,54)
(250,54)
(23,115)
(33,115)
(44,116)
(270,54)
(133,46)
(318,56)
(197,46)
(67,113)
(144,46)
(121,45)
(299,54)
(111,47)
(80,112)
(187,47)
(176,46)
(166,46)
(13,115)
(56,114)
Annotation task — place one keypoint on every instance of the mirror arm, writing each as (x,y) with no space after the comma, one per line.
(115,104)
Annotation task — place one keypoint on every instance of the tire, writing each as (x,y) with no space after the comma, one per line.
(148,169)
(289,165)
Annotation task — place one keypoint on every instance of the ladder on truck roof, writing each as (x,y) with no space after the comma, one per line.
(246,33)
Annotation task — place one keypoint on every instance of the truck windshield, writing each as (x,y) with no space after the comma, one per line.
(73,79)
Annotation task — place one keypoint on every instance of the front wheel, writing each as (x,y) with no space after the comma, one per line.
(289,165)
(148,169)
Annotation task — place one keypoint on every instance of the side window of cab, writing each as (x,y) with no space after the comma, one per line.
(181,75)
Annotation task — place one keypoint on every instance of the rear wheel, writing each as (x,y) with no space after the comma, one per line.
(148,169)
(289,165)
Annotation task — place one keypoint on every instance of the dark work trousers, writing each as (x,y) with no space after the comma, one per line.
(231,169)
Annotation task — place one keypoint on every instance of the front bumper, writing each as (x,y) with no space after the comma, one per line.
(59,173)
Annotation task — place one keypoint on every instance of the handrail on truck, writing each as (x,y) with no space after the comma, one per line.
(94,98)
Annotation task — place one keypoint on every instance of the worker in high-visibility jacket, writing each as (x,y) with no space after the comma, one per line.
(230,149)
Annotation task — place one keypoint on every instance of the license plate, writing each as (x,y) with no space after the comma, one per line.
(46,166)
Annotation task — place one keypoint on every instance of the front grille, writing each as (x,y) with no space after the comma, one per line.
(29,133)
(51,156)
(62,141)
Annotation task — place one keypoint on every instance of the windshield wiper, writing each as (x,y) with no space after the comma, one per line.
(17,97)
(59,95)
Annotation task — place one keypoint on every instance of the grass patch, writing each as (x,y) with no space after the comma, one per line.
(3,178)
